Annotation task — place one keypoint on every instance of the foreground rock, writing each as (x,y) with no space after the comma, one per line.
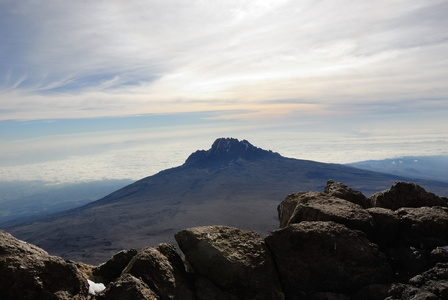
(152,273)
(236,261)
(28,272)
(325,257)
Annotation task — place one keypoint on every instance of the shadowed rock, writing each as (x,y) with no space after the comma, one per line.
(28,272)
(406,194)
(128,287)
(237,261)
(326,257)
(112,269)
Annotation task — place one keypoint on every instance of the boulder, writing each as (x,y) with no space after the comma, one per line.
(387,227)
(439,255)
(234,260)
(167,280)
(406,194)
(341,190)
(424,227)
(325,257)
(127,287)
(314,206)
(111,270)
(28,272)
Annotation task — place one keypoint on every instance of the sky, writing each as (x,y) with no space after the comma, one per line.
(93,90)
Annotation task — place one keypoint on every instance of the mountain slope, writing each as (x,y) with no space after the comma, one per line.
(233,183)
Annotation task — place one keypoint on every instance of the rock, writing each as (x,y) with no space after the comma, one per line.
(28,272)
(236,261)
(314,206)
(439,255)
(387,227)
(325,257)
(127,287)
(167,280)
(407,262)
(424,227)
(112,269)
(206,290)
(406,194)
(340,190)
(430,285)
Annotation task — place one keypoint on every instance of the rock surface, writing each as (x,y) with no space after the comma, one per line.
(327,257)
(314,206)
(342,191)
(236,261)
(28,272)
(156,270)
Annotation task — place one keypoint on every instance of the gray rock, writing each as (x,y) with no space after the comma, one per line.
(112,269)
(156,270)
(325,257)
(236,261)
(127,287)
(341,190)
(314,206)
(28,272)
(406,194)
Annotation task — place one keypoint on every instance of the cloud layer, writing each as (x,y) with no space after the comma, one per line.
(65,59)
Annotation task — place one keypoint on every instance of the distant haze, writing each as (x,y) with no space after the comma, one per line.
(148,157)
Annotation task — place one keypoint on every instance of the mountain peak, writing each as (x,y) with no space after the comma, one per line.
(226,150)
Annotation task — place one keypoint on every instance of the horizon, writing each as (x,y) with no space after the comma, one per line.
(107,90)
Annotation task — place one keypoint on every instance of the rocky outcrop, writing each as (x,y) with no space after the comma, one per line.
(234,260)
(28,272)
(325,257)
(406,194)
(342,191)
(315,206)
(330,245)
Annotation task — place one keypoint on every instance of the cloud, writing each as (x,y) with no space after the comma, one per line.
(105,58)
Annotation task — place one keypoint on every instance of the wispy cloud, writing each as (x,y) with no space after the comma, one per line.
(64,59)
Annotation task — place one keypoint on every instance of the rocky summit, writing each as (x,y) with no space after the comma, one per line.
(335,244)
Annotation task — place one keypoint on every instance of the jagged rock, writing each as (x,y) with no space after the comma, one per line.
(439,255)
(157,271)
(112,269)
(28,272)
(314,206)
(228,150)
(127,287)
(325,257)
(425,227)
(236,261)
(406,194)
(430,285)
(341,190)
